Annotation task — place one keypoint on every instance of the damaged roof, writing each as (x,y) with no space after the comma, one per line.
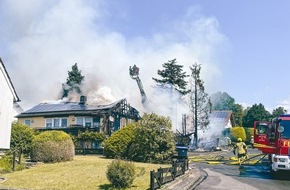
(75,108)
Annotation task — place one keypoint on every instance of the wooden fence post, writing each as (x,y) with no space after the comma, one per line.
(151,180)
(161,176)
(174,169)
(13,160)
(19,155)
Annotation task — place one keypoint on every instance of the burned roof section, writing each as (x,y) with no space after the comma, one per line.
(77,108)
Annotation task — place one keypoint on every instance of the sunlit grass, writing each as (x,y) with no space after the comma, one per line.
(83,173)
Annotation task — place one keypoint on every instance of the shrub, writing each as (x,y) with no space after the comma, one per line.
(21,137)
(88,137)
(121,173)
(52,146)
(5,164)
(117,145)
(237,132)
(153,140)
(249,133)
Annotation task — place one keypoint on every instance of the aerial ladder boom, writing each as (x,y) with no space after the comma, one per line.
(134,73)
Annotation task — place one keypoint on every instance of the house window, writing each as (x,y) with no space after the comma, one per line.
(56,122)
(79,121)
(48,123)
(96,122)
(63,122)
(27,122)
(88,121)
(84,121)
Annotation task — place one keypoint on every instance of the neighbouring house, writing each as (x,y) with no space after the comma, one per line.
(76,117)
(220,123)
(8,104)
(221,120)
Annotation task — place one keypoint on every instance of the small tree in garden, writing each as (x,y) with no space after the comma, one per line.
(121,173)
(21,138)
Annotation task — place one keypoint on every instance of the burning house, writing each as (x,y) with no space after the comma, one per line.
(75,117)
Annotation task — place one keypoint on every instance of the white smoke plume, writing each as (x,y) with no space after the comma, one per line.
(45,38)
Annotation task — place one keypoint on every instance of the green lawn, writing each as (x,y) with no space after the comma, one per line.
(83,173)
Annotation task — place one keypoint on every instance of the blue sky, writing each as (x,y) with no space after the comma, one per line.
(243,46)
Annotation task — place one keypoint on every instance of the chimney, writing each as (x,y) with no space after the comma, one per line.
(83,100)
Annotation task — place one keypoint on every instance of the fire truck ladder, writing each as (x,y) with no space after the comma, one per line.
(134,73)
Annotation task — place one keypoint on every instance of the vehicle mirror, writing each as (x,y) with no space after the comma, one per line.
(280,129)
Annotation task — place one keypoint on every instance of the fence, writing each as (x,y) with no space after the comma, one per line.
(165,175)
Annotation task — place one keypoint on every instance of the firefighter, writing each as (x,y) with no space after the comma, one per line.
(252,142)
(242,150)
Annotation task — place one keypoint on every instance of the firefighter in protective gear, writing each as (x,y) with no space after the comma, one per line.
(242,150)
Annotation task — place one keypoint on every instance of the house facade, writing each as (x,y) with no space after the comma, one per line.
(75,117)
(8,100)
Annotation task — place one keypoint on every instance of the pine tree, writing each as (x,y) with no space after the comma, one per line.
(173,75)
(200,104)
(73,81)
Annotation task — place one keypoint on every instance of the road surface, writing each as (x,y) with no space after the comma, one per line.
(220,176)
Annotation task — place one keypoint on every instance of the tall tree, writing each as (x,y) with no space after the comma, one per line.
(278,111)
(200,104)
(238,114)
(222,101)
(255,113)
(173,75)
(73,81)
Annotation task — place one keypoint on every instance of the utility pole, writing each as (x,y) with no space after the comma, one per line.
(195,109)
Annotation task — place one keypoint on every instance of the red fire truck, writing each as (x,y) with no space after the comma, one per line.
(273,139)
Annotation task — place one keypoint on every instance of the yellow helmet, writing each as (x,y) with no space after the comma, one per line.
(240,140)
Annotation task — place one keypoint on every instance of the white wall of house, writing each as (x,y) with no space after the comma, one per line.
(6,109)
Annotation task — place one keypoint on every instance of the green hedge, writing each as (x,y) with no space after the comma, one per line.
(237,132)
(52,146)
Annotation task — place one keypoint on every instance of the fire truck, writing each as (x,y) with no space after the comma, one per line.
(273,139)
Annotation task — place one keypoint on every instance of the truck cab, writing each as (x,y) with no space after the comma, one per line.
(274,140)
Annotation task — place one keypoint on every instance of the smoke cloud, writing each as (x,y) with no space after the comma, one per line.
(43,39)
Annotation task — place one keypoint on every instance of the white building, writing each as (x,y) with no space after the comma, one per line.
(8,101)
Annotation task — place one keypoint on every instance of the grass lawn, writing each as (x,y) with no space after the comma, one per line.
(83,173)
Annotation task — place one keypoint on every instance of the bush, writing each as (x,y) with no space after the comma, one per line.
(237,132)
(249,133)
(5,164)
(121,173)
(153,140)
(21,137)
(52,146)
(87,138)
(117,145)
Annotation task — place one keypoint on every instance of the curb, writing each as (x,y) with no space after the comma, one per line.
(191,179)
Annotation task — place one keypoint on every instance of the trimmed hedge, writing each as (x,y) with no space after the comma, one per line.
(52,146)
(238,132)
